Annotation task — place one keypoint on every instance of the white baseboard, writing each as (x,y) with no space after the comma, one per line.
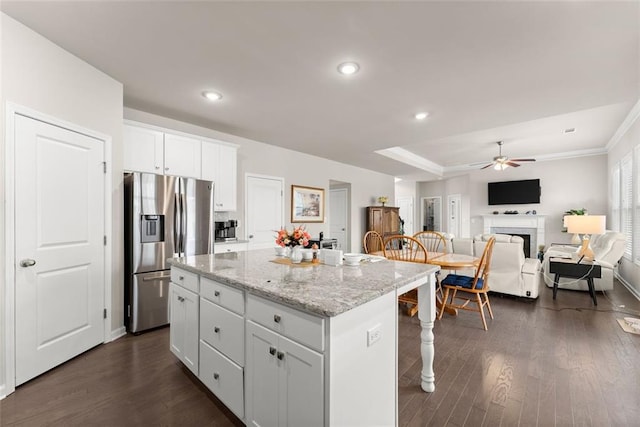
(118,333)
(627,285)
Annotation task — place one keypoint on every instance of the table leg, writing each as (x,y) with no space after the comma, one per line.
(555,285)
(592,290)
(427,315)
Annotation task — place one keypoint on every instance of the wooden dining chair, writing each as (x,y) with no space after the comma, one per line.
(405,248)
(372,242)
(472,288)
(433,242)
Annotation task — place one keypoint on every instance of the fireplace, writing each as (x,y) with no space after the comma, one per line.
(529,227)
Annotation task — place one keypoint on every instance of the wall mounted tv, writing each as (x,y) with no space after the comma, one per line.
(514,192)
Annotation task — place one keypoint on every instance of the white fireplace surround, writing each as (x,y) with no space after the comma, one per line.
(533,225)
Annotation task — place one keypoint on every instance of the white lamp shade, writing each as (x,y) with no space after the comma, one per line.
(586,224)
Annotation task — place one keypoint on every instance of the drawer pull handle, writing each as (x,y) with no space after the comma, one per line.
(216,375)
(272,351)
(276,318)
(216,329)
(216,293)
(280,355)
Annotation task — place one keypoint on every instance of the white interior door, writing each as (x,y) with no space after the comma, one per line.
(59,249)
(406,213)
(264,210)
(453,221)
(338,221)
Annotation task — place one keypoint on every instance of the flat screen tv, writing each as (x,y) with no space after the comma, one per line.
(514,192)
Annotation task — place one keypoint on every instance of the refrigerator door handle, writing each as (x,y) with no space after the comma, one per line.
(176,220)
(183,215)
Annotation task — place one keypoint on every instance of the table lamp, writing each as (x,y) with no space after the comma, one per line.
(575,240)
(586,225)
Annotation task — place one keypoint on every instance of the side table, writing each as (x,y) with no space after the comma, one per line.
(586,270)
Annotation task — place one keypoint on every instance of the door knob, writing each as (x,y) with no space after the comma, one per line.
(27,262)
(251,236)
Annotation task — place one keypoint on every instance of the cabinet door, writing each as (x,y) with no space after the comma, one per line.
(142,150)
(182,156)
(391,221)
(183,333)
(261,377)
(227,178)
(301,385)
(210,156)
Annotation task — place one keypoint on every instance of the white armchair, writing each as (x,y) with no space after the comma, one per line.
(608,249)
(511,273)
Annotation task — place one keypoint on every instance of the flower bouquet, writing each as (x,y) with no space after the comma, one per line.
(299,236)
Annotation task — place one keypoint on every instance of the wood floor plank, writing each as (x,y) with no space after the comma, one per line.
(542,363)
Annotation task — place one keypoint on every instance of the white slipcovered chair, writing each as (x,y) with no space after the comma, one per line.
(608,248)
(511,272)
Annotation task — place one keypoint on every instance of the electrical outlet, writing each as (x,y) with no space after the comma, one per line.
(373,335)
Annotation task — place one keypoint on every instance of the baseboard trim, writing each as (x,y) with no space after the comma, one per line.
(118,333)
(627,285)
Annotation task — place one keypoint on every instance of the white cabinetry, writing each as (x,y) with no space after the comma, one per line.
(183,334)
(284,379)
(219,164)
(222,247)
(154,151)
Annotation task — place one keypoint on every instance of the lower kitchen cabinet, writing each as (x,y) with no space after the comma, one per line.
(223,377)
(284,380)
(184,319)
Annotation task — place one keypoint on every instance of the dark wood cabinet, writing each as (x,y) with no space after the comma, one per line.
(383,219)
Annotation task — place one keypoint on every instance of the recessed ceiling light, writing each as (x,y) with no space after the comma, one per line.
(348,68)
(421,116)
(212,96)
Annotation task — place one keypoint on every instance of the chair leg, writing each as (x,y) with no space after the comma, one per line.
(444,303)
(411,311)
(481,309)
(486,296)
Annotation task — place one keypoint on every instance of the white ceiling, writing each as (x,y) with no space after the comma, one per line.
(521,72)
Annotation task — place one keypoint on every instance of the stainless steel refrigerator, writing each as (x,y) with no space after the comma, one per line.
(165,217)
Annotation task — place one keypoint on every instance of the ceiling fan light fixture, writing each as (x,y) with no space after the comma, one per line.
(421,116)
(500,166)
(348,68)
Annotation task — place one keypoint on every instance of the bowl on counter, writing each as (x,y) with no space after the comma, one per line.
(352,258)
(307,254)
(280,251)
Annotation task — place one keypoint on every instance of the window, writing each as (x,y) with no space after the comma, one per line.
(614,221)
(636,208)
(627,208)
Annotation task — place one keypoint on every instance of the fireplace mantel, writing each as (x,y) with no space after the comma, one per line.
(519,223)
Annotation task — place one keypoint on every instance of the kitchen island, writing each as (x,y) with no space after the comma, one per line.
(298,344)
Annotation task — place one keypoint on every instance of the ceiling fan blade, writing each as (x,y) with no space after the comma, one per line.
(523,160)
(487,166)
(510,163)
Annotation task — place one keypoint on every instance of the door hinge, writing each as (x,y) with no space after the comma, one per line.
(105,240)
(104,313)
(104,167)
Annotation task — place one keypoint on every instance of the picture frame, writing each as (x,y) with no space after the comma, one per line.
(307,204)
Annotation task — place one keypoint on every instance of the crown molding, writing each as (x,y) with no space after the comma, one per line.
(624,127)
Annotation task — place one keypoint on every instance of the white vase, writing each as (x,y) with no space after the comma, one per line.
(296,255)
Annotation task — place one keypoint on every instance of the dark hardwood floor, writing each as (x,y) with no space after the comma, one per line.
(541,363)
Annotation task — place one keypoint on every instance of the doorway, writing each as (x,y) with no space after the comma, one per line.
(58,214)
(406,214)
(339,215)
(264,209)
(454,202)
(431,213)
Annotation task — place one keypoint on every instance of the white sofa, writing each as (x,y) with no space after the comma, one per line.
(511,273)
(608,248)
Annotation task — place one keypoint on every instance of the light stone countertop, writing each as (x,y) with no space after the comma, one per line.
(319,289)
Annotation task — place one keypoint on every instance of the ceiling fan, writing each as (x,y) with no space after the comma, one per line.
(501,162)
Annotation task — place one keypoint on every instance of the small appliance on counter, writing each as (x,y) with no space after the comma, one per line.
(225,231)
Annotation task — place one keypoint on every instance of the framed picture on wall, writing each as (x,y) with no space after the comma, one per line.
(307,204)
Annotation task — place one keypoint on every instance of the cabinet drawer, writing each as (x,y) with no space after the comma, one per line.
(223,377)
(223,330)
(301,327)
(226,296)
(185,279)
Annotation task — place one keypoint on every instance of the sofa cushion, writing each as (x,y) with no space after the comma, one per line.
(462,281)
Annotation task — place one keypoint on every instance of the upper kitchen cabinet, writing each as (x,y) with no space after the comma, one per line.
(151,150)
(182,156)
(219,164)
(143,150)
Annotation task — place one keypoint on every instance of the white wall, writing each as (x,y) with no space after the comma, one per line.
(296,168)
(566,184)
(41,76)
(630,139)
